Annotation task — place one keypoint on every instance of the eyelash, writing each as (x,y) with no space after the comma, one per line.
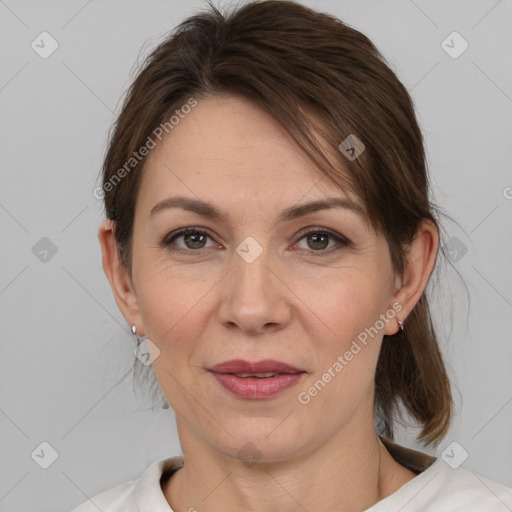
(169,239)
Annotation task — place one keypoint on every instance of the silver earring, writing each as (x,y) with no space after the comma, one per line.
(134,332)
(400,325)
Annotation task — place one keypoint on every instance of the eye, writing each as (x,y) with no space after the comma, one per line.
(317,240)
(193,239)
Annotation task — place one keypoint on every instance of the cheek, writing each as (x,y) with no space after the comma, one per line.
(167,297)
(344,304)
(172,308)
(347,310)
(174,315)
(347,354)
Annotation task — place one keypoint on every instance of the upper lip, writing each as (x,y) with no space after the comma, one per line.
(253,368)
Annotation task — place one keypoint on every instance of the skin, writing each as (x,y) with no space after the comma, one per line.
(289,304)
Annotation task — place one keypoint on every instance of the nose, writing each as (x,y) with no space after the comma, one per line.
(253,296)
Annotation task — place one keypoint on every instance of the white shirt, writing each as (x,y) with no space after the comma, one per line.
(437,488)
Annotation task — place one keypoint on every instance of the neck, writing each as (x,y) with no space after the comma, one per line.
(351,472)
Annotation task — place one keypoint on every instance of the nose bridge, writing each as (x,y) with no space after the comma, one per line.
(253,298)
(251,269)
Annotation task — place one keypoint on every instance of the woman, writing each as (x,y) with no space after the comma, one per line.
(269,237)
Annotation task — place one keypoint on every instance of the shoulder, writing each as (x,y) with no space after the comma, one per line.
(127,496)
(441,488)
(118,498)
(438,486)
(463,490)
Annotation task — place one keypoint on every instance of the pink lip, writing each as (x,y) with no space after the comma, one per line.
(254,387)
(241,366)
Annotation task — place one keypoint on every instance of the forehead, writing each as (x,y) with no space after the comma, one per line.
(227,150)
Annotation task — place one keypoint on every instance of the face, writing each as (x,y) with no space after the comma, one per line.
(254,284)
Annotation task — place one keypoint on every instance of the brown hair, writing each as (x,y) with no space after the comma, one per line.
(303,66)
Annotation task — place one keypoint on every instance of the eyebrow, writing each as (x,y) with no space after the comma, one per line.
(209,211)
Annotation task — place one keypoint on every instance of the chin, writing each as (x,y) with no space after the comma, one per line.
(261,439)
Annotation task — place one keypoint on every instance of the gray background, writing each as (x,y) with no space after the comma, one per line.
(66,349)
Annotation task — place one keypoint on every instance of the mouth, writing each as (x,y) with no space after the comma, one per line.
(256,380)
(257,375)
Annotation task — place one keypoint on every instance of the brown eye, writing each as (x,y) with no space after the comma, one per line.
(318,241)
(323,243)
(193,240)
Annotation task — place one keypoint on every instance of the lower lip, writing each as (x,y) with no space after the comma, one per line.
(254,388)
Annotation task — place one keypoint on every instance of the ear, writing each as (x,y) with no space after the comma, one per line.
(420,261)
(119,277)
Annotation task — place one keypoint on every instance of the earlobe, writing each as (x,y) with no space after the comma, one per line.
(117,275)
(421,258)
